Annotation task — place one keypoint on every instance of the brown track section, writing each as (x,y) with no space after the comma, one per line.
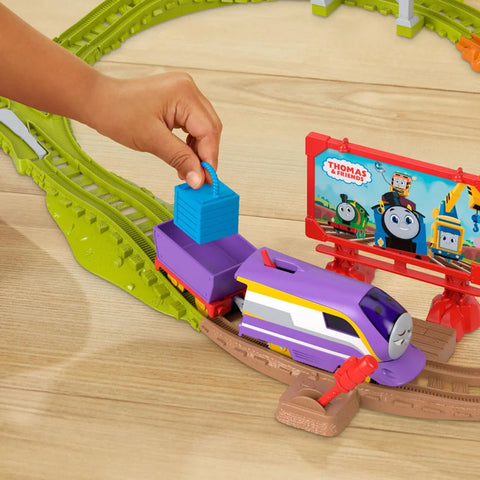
(369,237)
(437,342)
(457,264)
(441,391)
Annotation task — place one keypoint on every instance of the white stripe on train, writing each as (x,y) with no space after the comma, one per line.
(293,340)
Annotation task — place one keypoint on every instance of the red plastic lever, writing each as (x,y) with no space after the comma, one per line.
(266,259)
(353,372)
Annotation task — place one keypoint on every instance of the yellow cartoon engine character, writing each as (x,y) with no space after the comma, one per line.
(401,183)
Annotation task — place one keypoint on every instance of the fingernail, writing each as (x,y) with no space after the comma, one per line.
(193,179)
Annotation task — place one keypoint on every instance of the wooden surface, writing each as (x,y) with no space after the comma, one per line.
(96,385)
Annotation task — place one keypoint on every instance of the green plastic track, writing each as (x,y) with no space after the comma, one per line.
(448,18)
(107,220)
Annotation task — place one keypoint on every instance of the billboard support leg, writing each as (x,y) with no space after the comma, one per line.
(456,310)
(349,268)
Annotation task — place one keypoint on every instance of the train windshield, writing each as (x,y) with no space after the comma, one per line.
(381,309)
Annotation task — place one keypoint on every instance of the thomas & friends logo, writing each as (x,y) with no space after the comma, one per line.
(346,171)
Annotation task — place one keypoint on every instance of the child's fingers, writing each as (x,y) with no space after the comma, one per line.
(204,128)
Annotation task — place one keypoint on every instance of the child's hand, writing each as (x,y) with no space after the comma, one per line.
(141,114)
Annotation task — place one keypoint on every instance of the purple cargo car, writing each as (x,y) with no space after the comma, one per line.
(206,270)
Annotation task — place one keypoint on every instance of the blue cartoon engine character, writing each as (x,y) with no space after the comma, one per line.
(398,226)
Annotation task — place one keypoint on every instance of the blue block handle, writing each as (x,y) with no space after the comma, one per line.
(214,176)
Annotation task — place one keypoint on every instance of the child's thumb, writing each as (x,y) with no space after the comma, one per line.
(180,156)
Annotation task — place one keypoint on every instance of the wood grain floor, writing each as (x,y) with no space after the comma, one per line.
(95,385)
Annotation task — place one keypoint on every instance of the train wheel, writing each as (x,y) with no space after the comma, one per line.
(279,349)
(201,307)
(181,288)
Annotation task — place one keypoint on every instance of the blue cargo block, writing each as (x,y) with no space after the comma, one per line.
(209,213)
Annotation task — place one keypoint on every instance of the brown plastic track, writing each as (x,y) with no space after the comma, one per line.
(441,391)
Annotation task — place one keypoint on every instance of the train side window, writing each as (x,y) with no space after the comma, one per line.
(339,324)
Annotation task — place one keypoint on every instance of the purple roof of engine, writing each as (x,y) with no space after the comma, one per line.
(307,281)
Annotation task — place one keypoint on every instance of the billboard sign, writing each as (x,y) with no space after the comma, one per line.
(400,209)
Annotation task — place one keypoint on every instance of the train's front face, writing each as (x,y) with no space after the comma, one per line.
(449,239)
(346,212)
(391,320)
(401,184)
(401,361)
(400,336)
(401,222)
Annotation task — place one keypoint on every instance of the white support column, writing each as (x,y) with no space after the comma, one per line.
(406,18)
(321,3)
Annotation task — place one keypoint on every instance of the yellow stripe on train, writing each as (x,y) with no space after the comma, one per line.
(262,289)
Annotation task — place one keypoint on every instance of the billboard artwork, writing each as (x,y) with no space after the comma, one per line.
(393,204)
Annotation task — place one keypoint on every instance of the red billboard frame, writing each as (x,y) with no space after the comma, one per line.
(354,258)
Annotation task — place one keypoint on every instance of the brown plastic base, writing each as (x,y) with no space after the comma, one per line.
(440,391)
(298,407)
(437,342)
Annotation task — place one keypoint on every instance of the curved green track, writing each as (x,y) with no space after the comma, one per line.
(107,220)
(449,18)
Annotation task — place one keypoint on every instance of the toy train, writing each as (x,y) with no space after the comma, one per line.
(350,217)
(399,226)
(316,316)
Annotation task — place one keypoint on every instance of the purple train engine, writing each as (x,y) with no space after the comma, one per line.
(321,318)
